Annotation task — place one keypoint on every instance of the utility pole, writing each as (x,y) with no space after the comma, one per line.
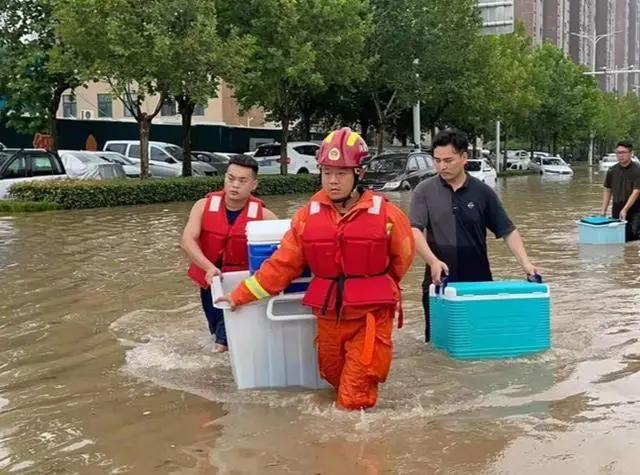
(594,39)
(416,112)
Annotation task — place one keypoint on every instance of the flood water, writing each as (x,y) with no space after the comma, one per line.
(106,364)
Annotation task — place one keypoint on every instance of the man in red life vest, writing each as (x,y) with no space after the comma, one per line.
(358,247)
(215,236)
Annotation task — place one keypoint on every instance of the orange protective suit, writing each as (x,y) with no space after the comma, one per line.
(355,350)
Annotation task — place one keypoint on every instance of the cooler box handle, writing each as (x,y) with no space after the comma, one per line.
(286,318)
(217,292)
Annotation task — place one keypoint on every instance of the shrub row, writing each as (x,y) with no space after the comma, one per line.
(12,206)
(78,194)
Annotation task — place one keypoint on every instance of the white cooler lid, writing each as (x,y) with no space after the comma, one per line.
(268,230)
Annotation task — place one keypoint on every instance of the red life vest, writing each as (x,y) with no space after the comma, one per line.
(221,243)
(348,260)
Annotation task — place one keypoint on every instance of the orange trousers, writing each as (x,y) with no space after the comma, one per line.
(354,355)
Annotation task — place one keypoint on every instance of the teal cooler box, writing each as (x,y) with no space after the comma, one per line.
(490,320)
(601,230)
(263,238)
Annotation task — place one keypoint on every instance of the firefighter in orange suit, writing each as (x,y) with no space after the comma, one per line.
(358,247)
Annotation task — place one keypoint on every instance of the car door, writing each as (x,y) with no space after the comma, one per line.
(490,174)
(306,156)
(425,166)
(413,171)
(15,170)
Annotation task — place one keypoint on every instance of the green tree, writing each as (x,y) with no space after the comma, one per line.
(169,49)
(568,99)
(302,48)
(200,58)
(31,86)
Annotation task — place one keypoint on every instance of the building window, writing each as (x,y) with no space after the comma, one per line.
(105,105)
(69,106)
(132,104)
(168,108)
(198,110)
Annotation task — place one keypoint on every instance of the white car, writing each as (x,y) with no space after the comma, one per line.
(88,166)
(481,169)
(553,166)
(159,152)
(19,166)
(607,162)
(301,158)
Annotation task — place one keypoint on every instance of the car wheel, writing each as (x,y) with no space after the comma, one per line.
(405,185)
(303,171)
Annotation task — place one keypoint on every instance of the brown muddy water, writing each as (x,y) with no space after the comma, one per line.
(106,363)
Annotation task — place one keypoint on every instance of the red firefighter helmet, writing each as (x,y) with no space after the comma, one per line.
(342,148)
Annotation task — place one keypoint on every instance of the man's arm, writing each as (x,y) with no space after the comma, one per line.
(268,214)
(516,246)
(401,246)
(276,273)
(630,202)
(606,198)
(436,266)
(190,244)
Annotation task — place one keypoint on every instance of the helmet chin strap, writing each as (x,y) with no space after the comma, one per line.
(356,187)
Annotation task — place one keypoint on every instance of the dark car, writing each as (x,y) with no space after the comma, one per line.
(217,160)
(398,171)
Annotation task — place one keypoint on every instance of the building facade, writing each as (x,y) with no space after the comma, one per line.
(575,26)
(96,101)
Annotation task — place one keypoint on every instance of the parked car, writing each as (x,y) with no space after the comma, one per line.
(88,166)
(219,161)
(398,171)
(483,171)
(131,169)
(553,165)
(17,166)
(159,152)
(607,162)
(301,158)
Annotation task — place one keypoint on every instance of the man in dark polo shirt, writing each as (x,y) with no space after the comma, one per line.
(623,183)
(455,210)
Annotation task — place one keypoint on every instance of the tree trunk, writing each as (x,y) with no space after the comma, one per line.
(306,126)
(52,125)
(474,149)
(554,144)
(186,111)
(284,158)
(145,131)
(380,138)
(364,126)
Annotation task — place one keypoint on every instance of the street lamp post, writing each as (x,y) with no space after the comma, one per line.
(594,39)
(416,113)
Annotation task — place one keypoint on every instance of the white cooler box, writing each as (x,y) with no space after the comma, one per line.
(271,342)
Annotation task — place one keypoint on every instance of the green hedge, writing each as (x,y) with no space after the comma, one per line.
(77,194)
(12,206)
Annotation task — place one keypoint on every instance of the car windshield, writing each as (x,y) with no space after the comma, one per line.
(473,165)
(387,164)
(552,161)
(175,151)
(610,158)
